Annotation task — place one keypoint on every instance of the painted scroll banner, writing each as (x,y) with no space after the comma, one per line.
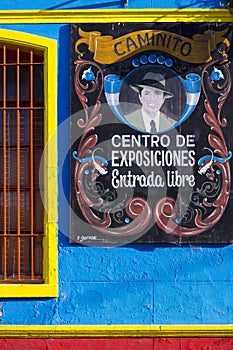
(151,133)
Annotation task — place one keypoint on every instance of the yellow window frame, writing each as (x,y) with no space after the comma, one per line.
(50,286)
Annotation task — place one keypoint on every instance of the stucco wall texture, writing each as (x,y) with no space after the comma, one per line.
(127,286)
(146,284)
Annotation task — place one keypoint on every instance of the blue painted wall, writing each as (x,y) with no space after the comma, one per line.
(126,285)
(88,4)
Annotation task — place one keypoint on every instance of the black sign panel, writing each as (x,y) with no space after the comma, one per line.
(151,133)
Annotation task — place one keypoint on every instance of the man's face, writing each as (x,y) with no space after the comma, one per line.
(151,99)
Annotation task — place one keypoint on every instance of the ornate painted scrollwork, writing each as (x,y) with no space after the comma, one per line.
(208,202)
(90,192)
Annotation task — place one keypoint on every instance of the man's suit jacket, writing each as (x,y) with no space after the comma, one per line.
(135,119)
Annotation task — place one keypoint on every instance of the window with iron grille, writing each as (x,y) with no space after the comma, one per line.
(21,147)
(28,218)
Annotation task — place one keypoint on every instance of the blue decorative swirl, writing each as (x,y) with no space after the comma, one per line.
(88,75)
(91,159)
(216,74)
(214,158)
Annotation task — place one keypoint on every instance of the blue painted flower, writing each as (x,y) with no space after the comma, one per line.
(88,75)
(216,74)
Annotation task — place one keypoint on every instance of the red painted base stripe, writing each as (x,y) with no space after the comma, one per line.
(193,344)
(118,344)
(77,344)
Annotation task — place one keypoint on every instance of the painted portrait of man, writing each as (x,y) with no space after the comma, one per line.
(152,94)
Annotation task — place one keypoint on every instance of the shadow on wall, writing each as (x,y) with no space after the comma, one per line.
(178,4)
(71,4)
(200,4)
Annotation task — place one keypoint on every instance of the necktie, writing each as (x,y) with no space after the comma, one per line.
(152,125)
